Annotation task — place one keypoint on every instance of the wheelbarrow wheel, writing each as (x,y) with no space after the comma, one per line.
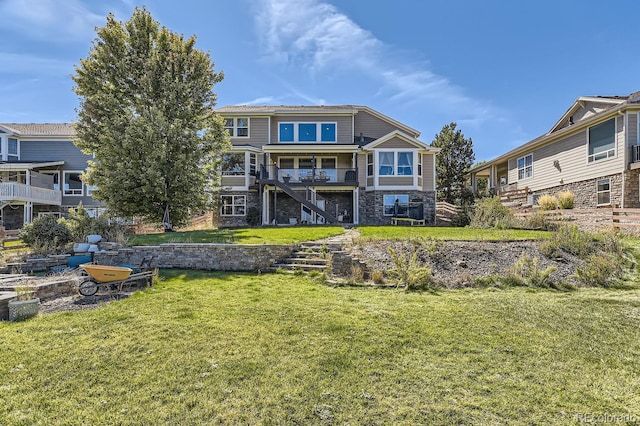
(88,288)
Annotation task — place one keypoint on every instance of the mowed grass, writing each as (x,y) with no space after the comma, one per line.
(449,233)
(214,348)
(279,235)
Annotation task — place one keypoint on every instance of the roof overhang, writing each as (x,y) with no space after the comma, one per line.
(309,148)
(245,148)
(19,166)
(418,144)
(579,103)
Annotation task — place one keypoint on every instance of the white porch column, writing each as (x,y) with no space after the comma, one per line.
(356,206)
(28,212)
(265,207)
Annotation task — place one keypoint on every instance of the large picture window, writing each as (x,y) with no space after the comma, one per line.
(73,184)
(233,205)
(233,164)
(395,163)
(237,127)
(393,208)
(602,141)
(603,191)
(525,167)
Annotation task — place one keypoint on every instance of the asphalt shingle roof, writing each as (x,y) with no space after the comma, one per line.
(40,129)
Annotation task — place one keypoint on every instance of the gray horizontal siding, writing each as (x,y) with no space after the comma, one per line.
(73,158)
(395,180)
(571,155)
(396,143)
(371,126)
(428,178)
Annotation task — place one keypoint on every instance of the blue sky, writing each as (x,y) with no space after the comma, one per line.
(505,71)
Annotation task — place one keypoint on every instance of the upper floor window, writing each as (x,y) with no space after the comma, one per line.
(370,164)
(237,127)
(307,132)
(525,167)
(395,163)
(12,149)
(602,141)
(73,184)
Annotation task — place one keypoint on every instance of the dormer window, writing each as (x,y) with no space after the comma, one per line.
(237,127)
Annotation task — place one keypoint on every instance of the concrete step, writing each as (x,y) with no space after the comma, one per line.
(306,260)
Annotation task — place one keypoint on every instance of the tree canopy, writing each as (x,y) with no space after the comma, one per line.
(452,163)
(146,115)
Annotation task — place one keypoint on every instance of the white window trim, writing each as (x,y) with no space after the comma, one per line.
(414,165)
(233,205)
(90,189)
(64,190)
(235,127)
(296,133)
(396,196)
(525,177)
(602,192)
(613,152)
(372,164)
(16,156)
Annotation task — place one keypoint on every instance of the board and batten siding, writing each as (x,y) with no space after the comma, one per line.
(571,155)
(371,126)
(343,126)
(428,178)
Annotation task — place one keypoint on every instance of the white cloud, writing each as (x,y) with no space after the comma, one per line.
(315,36)
(64,20)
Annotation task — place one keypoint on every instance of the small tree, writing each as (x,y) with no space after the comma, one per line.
(452,164)
(146,114)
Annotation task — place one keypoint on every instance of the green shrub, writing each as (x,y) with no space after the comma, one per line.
(529,272)
(409,272)
(81,224)
(570,239)
(600,270)
(538,220)
(489,212)
(566,199)
(46,235)
(548,202)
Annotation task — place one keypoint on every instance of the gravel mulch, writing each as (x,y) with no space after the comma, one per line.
(79,303)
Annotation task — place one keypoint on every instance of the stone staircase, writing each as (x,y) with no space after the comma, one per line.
(311,256)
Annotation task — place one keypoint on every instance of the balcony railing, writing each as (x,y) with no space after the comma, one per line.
(13,191)
(310,175)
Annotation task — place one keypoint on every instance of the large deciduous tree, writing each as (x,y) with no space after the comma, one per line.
(146,115)
(452,163)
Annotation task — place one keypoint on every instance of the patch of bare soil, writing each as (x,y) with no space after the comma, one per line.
(80,303)
(456,263)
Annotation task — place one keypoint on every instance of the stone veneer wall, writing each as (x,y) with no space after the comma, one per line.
(286,207)
(585,191)
(372,205)
(632,189)
(239,221)
(219,257)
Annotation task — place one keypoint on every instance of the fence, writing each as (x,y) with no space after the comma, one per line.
(7,237)
(628,219)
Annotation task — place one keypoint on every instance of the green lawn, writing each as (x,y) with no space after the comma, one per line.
(449,233)
(279,235)
(214,348)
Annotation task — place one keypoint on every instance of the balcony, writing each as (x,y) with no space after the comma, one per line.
(313,176)
(13,191)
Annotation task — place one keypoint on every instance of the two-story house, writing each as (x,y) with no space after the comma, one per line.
(593,150)
(323,164)
(40,172)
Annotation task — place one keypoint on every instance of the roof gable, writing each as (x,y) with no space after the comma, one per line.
(400,135)
(585,107)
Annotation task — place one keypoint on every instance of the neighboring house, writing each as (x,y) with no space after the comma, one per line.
(40,172)
(323,164)
(593,151)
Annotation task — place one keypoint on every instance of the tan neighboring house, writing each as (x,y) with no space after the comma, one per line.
(323,164)
(593,150)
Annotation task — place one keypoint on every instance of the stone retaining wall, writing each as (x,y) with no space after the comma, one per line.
(218,257)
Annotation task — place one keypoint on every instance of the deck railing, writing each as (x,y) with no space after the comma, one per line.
(311,175)
(13,191)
